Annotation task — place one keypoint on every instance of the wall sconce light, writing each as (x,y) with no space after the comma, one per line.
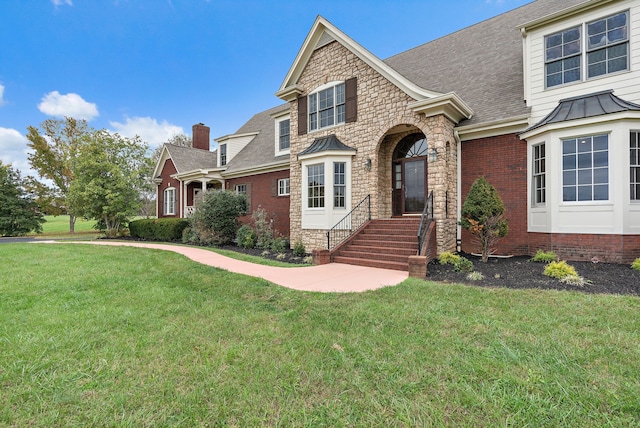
(367,164)
(433,154)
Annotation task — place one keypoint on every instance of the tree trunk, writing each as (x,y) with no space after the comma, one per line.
(72,223)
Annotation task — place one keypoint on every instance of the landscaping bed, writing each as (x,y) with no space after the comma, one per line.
(520,272)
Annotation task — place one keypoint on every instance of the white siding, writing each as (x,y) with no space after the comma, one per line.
(625,84)
(234,145)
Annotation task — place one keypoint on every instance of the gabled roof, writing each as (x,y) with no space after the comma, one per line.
(585,106)
(482,64)
(326,144)
(260,152)
(322,33)
(187,159)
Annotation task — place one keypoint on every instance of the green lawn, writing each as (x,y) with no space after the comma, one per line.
(106,336)
(58,226)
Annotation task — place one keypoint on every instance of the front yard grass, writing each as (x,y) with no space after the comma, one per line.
(117,336)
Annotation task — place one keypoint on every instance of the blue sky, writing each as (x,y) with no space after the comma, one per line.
(156,67)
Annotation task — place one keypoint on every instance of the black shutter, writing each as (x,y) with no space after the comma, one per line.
(274,187)
(302,115)
(248,187)
(351,100)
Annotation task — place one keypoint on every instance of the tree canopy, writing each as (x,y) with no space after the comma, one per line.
(19,213)
(54,150)
(110,172)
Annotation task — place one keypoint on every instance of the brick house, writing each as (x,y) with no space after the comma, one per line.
(543,101)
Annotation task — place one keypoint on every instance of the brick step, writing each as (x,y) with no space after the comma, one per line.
(372,263)
(364,249)
(377,241)
(390,232)
(401,258)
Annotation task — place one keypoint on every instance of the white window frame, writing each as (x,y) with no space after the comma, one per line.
(170,202)
(278,150)
(576,162)
(317,105)
(339,185)
(223,156)
(241,189)
(539,175)
(634,166)
(284,187)
(316,193)
(586,51)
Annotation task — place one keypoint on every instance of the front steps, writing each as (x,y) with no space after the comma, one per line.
(382,243)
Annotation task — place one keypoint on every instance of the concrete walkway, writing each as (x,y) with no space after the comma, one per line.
(334,277)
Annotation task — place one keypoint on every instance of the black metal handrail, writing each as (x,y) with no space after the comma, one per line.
(425,221)
(349,223)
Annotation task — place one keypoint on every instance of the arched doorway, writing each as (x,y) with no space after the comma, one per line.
(410,175)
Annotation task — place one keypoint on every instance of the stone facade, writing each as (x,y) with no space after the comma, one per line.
(383,118)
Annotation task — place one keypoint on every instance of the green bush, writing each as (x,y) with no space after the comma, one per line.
(215,219)
(246,237)
(263,228)
(636,264)
(483,215)
(448,258)
(279,245)
(544,257)
(161,229)
(560,270)
(460,264)
(299,249)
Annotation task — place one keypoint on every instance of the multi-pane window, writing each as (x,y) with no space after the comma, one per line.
(170,201)
(327,107)
(562,57)
(283,187)
(585,168)
(284,134)
(608,45)
(339,185)
(539,175)
(315,186)
(241,189)
(605,44)
(634,151)
(223,154)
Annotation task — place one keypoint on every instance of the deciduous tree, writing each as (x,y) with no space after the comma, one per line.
(55,147)
(110,171)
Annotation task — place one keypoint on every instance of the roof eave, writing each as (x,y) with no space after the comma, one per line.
(512,125)
(326,153)
(230,136)
(563,14)
(449,105)
(261,169)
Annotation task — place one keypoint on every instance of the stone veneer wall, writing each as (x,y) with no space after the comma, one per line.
(383,119)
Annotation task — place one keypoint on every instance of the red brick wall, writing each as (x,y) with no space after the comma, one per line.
(584,247)
(167,170)
(502,161)
(264,194)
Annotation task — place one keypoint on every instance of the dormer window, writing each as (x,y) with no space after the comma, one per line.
(326,107)
(223,154)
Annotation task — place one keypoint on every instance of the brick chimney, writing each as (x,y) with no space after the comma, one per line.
(200,136)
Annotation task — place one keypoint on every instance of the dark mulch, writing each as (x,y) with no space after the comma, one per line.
(519,272)
(285,256)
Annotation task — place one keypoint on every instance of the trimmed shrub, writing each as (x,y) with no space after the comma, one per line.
(299,249)
(483,215)
(636,264)
(161,229)
(215,219)
(279,245)
(246,237)
(463,265)
(448,258)
(560,270)
(544,257)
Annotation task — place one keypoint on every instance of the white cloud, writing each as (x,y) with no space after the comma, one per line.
(61,2)
(148,129)
(2,101)
(14,150)
(71,105)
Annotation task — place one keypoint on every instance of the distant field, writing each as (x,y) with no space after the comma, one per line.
(59,225)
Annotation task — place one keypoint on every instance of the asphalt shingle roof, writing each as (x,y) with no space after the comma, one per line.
(482,63)
(188,159)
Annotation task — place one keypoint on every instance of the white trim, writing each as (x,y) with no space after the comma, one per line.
(287,186)
(278,120)
(165,207)
(289,89)
(512,125)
